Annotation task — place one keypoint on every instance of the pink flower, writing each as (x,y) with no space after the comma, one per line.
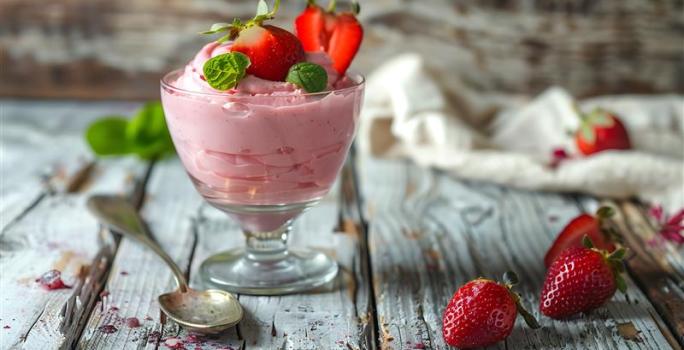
(669,228)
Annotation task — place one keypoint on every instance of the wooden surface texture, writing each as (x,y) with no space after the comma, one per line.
(405,237)
(119,49)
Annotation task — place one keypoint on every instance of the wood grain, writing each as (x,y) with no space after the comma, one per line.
(53,231)
(657,267)
(429,234)
(120,48)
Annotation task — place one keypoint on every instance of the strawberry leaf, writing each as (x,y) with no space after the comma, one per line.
(510,277)
(620,283)
(262,8)
(586,242)
(309,76)
(223,72)
(618,254)
(217,27)
(605,212)
(587,133)
(601,118)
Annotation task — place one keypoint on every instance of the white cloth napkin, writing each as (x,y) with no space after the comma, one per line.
(409,112)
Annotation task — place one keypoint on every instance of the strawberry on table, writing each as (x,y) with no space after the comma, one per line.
(580,280)
(483,312)
(602,235)
(271,50)
(600,130)
(337,34)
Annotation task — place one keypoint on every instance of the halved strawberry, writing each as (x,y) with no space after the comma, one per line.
(345,41)
(574,231)
(311,27)
(337,34)
(271,50)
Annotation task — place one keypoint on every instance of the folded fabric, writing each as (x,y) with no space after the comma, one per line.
(409,112)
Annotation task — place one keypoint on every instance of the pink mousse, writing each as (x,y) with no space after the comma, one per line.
(263,142)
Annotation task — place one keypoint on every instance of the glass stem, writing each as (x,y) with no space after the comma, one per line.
(268,246)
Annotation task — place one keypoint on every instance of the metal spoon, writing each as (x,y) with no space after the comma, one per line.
(210,311)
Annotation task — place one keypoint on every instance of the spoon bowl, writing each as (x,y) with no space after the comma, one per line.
(210,311)
(206,312)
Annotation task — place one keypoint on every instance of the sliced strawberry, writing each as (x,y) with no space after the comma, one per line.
(338,34)
(271,51)
(600,131)
(574,231)
(345,41)
(311,28)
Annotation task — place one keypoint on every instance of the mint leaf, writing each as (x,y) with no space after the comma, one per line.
(147,134)
(223,72)
(107,136)
(309,76)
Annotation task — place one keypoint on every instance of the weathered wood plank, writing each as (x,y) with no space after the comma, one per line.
(430,233)
(45,225)
(588,47)
(41,149)
(656,267)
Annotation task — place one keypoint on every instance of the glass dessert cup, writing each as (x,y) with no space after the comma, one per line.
(263,159)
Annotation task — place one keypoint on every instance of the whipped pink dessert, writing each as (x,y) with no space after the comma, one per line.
(262,142)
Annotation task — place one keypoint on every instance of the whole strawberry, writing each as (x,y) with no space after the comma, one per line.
(483,312)
(597,227)
(271,50)
(580,280)
(600,131)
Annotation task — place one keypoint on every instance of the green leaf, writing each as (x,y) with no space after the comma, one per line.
(223,72)
(107,136)
(262,8)
(600,117)
(588,133)
(620,284)
(309,76)
(147,134)
(510,277)
(605,212)
(218,27)
(586,242)
(618,254)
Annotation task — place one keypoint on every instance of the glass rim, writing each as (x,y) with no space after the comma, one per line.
(358,79)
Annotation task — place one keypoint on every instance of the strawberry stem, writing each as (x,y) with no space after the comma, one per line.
(527,316)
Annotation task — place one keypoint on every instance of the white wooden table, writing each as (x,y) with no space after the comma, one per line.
(406,238)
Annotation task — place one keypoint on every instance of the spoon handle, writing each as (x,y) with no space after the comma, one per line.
(120,215)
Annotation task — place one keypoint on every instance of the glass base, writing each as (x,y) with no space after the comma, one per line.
(296,271)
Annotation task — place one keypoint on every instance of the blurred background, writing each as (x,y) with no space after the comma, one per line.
(118,49)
